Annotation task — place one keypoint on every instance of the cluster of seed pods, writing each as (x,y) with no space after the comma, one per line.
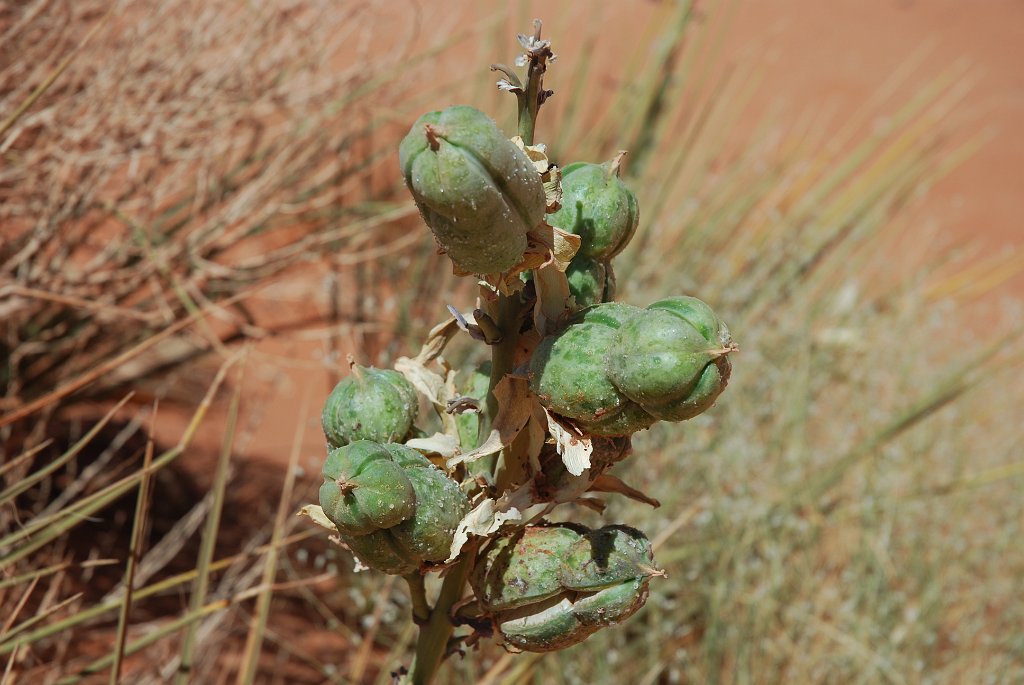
(609,369)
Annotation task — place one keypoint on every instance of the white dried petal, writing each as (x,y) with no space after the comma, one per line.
(484,519)
(574,449)
(438,443)
(316,513)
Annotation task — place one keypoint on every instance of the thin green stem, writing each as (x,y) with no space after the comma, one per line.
(528,114)
(418,595)
(434,636)
(530,102)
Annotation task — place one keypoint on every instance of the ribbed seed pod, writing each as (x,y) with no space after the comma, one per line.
(612,605)
(567,372)
(550,587)
(477,191)
(598,207)
(369,404)
(587,281)
(607,557)
(611,286)
(393,508)
(616,369)
(673,361)
(548,629)
(525,568)
(468,423)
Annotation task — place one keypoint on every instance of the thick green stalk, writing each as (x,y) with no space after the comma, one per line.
(438,628)
(502,352)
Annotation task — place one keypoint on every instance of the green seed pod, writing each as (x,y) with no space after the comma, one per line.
(616,369)
(607,557)
(369,404)
(381,552)
(567,622)
(547,630)
(523,569)
(611,605)
(587,279)
(672,360)
(567,372)
(549,587)
(364,489)
(628,420)
(477,191)
(598,207)
(611,286)
(393,508)
(440,506)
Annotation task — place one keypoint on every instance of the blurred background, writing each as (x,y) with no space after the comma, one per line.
(201,216)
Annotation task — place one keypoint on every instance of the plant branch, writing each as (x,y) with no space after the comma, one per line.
(537,54)
(437,629)
(418,595)
(434,636)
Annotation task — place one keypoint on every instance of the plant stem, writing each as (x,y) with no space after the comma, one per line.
(418,595)
(437,630)
(534,78)
(502,354)
(434,635)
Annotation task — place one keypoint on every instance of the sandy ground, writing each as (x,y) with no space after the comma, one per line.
(841,50)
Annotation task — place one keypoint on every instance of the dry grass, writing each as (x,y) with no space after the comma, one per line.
(163,164)
(190,153)
(849,513)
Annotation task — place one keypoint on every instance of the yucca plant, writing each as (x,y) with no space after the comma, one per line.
(850,515)
(833,459)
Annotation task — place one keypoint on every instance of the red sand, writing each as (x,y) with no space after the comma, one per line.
(842,49)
